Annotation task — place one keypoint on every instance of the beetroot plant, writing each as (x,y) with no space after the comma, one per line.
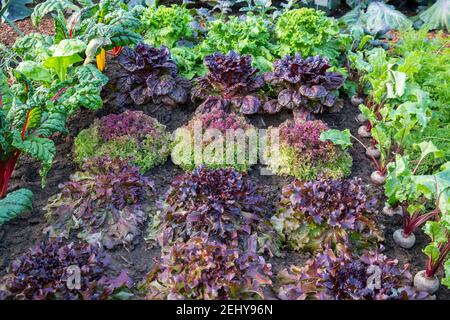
(149,74)
(304,86)
(324,213)
(224,141)
(131,135)
(44,272)
(205,269)
(107,203)
(232,78)
(344,276)
(301,153)
(221,203)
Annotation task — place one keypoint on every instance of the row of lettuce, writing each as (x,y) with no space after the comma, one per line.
(214,226)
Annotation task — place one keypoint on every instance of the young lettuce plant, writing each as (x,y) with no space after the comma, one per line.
(345,276)
(43,273)
(149,74)
(131,135)
(25,129)
(304,86)
(246,35)
(300,152)
(308,32)
(222,203)
(205,269)
(324,213)
(403,188)
(107,203)
(230,81)
(224,142)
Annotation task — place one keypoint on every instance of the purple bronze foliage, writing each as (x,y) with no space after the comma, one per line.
(149,74)
(109,200)
(344,276)
(201,268)
(43,273)
(221,203)
(303,85)
(232,78)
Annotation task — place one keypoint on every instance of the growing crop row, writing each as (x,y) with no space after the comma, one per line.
(214,227)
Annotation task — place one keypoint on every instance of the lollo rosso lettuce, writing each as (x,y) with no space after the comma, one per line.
(224,141)
(205,269)
(129,135)
(231,78)
(344,276)
(318,214)
(300,152)
(304,86)
(222,203)
(149,74)
(107,203)
(44,271)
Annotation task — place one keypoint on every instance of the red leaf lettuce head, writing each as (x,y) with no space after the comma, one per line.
(110,201)
(222,203)
(325,212)
(44,271)
(344,276)
(232,78)
(149,74)
(205,269)
(303,84)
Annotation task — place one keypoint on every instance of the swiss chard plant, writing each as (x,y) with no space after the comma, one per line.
(304,86)
(26,129)
(131,136)
(44,271)
(149,74)
(101,26)
(224,141)
(233,80)
(326,213)
(300,152)
(205,269)
(58,71)
(345,276)
(106,204)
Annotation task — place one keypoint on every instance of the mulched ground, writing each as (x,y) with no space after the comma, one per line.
(25,231)
(8,35)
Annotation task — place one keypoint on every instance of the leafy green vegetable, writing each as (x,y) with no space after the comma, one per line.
(338,137)
(65,54)
(437,16)
(380,16)
(17,10)
(14,204)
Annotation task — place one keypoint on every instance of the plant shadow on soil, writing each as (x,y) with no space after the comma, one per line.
(27,230)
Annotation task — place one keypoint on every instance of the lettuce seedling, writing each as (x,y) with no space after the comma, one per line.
(345,276)
(44,272)
(304,86)
(205,269)
(149,74)
(232,78)
(131,135)
(224,142)
(301,153)
(107,203)
(324,213)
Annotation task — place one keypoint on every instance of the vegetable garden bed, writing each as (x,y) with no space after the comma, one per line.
(152,187)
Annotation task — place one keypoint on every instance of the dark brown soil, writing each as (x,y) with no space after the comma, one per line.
(8,35)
